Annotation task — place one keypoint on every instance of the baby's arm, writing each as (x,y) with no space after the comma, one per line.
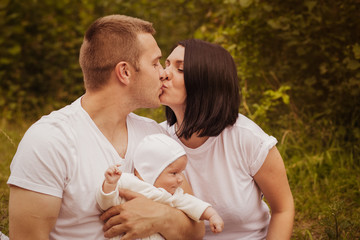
(216,222)
(112,176)
(107,194)
(197,209)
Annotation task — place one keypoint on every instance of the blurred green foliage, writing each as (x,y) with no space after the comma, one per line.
(299,62)
(40,42)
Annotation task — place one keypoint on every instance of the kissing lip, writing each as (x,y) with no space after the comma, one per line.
(162,89)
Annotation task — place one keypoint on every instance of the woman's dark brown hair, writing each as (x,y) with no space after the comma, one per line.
(212,88)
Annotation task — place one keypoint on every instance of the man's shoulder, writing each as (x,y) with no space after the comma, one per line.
(140,119)
(57,124)
(63,115)
(144,123)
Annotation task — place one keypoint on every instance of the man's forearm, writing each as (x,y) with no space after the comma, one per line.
(177,225)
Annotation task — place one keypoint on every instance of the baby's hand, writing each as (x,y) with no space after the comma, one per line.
(113,174)
(216,223)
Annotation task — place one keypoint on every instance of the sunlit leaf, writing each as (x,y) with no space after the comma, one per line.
(356,50)
(245,3)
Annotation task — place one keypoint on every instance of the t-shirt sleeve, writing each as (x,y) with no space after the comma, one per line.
(261,152)
(192,206)
(107,200)
(131,182)
(42,161)
(254,144)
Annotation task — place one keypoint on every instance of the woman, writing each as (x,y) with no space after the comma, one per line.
(232,163)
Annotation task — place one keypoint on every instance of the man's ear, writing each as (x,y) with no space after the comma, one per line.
(123,72)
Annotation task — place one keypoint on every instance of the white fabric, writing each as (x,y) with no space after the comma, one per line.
(65,155)
(221,172)
(162,150)
(192,206)
(3,236)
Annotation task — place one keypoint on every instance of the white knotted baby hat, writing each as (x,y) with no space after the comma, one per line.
(153,154)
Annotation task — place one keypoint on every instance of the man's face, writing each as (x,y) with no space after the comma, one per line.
(147,85)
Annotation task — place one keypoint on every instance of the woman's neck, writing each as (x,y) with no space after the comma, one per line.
(194,141)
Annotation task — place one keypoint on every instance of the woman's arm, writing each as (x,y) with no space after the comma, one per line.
(273,182)
(140,217)
(32,215)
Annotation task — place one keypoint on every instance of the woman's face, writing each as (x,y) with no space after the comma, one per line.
(174,92)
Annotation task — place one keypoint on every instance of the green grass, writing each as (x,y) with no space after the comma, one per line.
(325,184)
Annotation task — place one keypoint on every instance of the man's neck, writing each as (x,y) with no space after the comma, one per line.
(109,114)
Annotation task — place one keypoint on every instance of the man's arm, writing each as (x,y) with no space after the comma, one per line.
(32,215)
(140,217)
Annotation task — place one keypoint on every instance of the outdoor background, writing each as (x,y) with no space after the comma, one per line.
(298,61)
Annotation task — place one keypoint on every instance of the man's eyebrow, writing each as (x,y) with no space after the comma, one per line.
(158,58)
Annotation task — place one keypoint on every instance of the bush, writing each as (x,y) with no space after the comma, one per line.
(299,63)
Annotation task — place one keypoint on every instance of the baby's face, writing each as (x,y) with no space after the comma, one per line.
(171,178)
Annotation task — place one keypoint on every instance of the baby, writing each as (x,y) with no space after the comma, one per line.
(159,162)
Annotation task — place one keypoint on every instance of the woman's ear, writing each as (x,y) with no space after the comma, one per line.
(123,72)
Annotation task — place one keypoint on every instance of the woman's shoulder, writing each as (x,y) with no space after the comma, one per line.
(245,124)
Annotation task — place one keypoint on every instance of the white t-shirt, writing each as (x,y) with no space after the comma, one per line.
(65,155)
(221,172)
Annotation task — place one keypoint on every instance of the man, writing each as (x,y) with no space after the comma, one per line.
(62,157)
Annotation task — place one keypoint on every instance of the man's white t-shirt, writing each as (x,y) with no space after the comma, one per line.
(221,172)
(65,155)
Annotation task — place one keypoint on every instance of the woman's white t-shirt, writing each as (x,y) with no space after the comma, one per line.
(221,172)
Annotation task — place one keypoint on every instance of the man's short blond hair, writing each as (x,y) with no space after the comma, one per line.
(108,41)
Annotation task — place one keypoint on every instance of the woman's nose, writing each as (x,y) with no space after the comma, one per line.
(165,75)
(162,73)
